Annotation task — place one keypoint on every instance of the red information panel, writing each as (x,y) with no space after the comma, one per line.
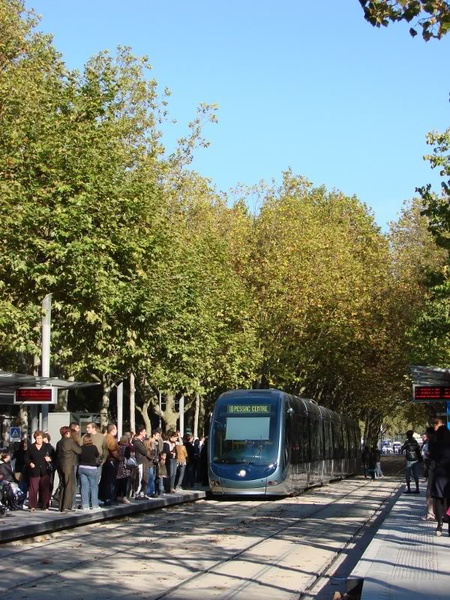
(44,395)
(430,393)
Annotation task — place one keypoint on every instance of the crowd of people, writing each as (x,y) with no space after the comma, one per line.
(101,467)
(432,460)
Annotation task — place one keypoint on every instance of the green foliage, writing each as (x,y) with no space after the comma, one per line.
(431,16)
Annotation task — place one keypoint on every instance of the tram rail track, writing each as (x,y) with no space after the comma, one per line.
(209,546)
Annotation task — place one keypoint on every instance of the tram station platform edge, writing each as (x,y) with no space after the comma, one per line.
(405,558)
(20,524)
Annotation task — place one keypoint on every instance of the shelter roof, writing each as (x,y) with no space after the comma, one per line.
(430,375)
(9,382)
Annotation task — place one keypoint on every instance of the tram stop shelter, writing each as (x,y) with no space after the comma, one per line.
(17,389)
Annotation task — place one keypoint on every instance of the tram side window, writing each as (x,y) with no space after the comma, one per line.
(346,445)
(304,440)
(336,440)
(320,438)
(296,440)
(328,440)
(314,436)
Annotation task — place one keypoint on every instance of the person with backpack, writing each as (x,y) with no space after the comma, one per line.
(413,458)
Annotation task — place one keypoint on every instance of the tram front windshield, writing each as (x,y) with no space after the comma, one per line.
(245,433)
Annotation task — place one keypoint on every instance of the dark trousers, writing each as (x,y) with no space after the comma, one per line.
(108,481)
(41,486)
(67,478)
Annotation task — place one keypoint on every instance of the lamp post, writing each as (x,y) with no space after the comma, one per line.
(45,360)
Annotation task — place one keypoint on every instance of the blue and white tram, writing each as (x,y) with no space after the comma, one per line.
(266,442)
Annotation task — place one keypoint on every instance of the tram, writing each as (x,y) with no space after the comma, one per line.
(267,442)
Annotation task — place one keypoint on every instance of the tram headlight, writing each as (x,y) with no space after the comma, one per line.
(214,483)
(275,482)
(242,473)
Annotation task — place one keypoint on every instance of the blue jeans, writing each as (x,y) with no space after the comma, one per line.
(89,486)
(412,469)
(151,481)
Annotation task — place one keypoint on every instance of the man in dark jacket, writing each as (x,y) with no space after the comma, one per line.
(67,453)
(413,456)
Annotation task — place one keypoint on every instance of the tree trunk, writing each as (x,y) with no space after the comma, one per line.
(144,412)
(170,415)
(132,403)
(106,393)
(23,421)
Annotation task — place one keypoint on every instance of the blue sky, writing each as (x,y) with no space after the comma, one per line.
(306,85)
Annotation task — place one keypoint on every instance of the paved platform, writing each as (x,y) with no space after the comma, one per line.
(23,523)
(405,558)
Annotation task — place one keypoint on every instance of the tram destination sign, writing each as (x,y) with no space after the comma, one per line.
(35,395)
(249,408)
(431,393)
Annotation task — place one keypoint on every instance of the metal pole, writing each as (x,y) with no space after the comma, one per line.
(119,409)
(45,365)
(182,416)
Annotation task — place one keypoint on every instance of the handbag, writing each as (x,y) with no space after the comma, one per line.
(130,463)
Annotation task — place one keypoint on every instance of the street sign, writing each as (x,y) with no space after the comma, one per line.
(36,395)
(15,434)
(431,393)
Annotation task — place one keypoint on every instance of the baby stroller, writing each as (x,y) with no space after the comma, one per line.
(11,496)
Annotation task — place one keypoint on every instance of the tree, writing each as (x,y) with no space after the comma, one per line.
(321,274)
(431,16)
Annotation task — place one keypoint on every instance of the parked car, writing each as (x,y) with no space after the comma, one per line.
(397,447)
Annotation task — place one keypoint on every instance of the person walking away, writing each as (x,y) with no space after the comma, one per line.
(440,486)
(413,456)
(87,472)
(36,458)
(67,453)
(365,460)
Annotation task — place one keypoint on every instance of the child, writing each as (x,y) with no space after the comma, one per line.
(162,472)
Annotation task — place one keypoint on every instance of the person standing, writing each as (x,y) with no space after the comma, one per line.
(67,453)
(152,446)
(181,457)
(439,449)
(36,458)
(99,441)
(87,472)
(365,460)
(378,471)
(428,472)
(171,462)
(143,461)
(110,468)
(413,456)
